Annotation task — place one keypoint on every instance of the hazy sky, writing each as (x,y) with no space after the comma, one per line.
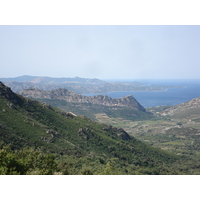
(105,52)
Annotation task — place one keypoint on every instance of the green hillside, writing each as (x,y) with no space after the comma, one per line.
(78,141)
(90,110)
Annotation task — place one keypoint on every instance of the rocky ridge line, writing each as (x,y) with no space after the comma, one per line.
(72,97)
(192,104)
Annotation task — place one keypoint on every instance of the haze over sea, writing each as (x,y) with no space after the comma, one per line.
(190,88)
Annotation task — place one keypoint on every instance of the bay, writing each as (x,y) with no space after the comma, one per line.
(188,90)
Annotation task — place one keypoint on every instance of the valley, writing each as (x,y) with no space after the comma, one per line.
(179,135)
(97,134)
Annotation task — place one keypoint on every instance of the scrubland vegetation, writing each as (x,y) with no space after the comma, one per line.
(36,138)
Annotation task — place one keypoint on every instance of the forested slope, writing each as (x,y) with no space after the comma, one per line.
(25,123)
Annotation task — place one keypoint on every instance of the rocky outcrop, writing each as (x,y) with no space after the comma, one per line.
(72,97)
(187,108)
(122,133)
(118,132)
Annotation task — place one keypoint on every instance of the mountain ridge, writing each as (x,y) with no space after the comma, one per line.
(126,107)
(69,96)
(184,109)
(41,79)
(78,85)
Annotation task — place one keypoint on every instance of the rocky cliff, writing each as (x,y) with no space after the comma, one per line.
(72,97)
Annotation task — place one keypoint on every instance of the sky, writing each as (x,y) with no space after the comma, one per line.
(101,51)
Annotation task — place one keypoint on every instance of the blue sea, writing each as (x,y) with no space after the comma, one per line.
(185,91)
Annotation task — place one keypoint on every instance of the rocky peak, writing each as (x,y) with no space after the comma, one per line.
(131,101)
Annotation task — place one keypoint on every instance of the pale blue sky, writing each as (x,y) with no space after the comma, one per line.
(105,52)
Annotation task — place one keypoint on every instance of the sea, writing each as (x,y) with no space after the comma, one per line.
(184,91)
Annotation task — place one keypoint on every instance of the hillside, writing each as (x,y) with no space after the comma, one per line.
(69,96)
(90,106)
(174,128)
(28,123)
(178,132)
(186,109)
(78,85)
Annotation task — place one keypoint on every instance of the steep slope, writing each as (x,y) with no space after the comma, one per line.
(186,109)
(126,107)
(25,122)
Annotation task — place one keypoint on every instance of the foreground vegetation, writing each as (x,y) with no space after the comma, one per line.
(28,161)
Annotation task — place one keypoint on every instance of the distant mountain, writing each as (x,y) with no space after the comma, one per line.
(50,80)
(28,123)
(126,107)
(24,78)
(77,84)
(186,109)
